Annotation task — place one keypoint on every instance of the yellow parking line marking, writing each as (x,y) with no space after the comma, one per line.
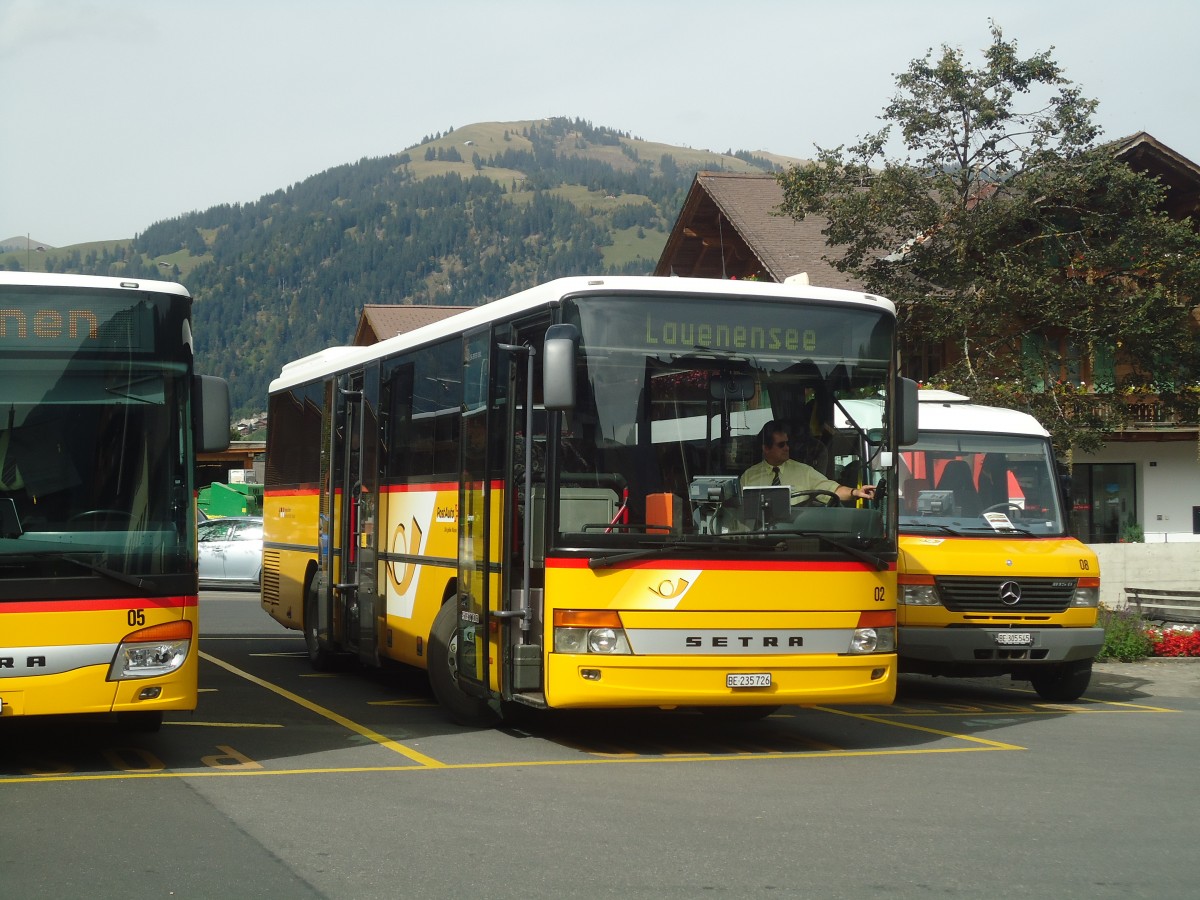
(368,733)
(509,764)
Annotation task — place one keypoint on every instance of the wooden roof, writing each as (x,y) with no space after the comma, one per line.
(380,320)
(729,228)
(1142,152)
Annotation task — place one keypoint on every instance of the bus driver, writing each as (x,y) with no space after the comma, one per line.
(778,468)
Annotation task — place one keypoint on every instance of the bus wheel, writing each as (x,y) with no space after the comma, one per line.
(320,656)
(1065,683)
(443,673)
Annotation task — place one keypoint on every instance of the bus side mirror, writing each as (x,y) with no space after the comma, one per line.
(907,409)
(558,367)
(210,413)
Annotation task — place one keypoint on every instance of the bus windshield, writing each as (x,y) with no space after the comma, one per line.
(93,474)
(980,484)
(673,399)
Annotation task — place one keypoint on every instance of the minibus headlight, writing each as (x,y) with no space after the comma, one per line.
(1087,593)
(919,595)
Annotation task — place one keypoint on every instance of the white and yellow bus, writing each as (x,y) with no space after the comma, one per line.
(100,419)
(538,501)
(991,581)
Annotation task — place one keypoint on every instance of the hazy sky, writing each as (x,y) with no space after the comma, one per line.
(119,113)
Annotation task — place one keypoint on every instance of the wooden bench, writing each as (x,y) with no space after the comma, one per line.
(1166,606)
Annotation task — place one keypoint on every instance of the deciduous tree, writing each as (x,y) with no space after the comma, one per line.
(1005,232)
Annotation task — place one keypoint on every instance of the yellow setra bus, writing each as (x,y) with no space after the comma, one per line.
(100,419)
(539,500)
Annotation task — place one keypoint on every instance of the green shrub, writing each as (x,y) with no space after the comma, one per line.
(1125,638)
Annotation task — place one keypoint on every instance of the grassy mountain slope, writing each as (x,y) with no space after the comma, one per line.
(461,218)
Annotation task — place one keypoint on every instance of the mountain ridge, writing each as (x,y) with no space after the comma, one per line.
(459,218)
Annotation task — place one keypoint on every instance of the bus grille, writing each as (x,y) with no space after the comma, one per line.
(975,594)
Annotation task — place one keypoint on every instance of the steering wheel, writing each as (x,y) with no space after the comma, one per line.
(98,519)
(811,498)
(1006,508)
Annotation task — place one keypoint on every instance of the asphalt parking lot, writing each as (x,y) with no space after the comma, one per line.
(286,782)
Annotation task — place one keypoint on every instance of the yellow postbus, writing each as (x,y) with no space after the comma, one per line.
(538,501)
(991,582)
(100,418)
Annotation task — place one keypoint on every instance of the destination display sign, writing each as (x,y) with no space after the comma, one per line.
(42,322)
(683,325)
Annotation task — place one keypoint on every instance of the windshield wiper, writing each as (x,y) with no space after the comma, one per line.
(938,526)
(605,562)
(861,555)
(141,584)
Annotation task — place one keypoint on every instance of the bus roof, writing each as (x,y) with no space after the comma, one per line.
(92,282)
(946,411)
(336,359)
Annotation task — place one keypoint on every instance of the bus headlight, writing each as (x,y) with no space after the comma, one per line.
(918,590)
(873,640)
(1087,593)
(152,652)
(876,633)
(589,631)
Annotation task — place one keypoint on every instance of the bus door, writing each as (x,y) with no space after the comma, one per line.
(476,647)
(524,461)
(355,482)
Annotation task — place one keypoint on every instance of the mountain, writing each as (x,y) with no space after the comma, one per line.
(459,219)
(22,243)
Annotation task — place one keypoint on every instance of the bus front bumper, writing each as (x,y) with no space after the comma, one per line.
(985,646)
(595,681)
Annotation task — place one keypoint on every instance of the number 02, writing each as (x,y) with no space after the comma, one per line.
(880,594)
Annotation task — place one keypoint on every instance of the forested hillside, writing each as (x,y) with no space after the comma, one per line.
(460,219)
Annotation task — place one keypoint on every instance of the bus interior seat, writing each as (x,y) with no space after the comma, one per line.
(956,476)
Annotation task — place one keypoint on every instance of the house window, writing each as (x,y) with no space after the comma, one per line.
(923,360)
(1104,501)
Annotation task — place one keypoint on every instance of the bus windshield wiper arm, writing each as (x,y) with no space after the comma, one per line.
(131,580)
(604,562)
(861,555)
(917,523)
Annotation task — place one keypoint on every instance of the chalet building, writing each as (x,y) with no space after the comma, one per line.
(380,320)
(1147,475)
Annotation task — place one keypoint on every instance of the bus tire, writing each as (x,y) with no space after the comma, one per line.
(320,655)
(1063,683)
(461,707)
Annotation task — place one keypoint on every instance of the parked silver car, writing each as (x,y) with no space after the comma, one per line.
(231,552)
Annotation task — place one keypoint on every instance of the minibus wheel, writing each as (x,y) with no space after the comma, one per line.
(1063,683)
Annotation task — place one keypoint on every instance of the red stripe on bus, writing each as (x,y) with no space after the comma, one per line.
(98,605)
